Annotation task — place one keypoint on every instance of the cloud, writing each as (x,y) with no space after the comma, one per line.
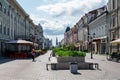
(54,27)
(71,7)
(51,24)
(35,18)
(51,27)
(54,24)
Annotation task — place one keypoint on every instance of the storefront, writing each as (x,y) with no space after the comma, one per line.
(100,45)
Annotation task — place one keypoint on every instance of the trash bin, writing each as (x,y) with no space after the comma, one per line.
(73,67)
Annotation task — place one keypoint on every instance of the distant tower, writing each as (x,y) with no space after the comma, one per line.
(56,41)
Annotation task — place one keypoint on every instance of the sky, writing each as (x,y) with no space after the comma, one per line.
(56,15)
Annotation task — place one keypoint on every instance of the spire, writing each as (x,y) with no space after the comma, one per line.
(56,41)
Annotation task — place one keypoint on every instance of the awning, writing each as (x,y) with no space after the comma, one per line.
(117,41)
(99,38)
(77,44)
(22,42)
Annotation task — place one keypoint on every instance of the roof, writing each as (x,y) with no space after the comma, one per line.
(67,29)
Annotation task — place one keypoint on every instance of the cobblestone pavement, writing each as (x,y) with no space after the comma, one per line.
(25,69)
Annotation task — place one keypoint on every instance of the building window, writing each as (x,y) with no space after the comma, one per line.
(0,27)
(5,30)
(11,16)
(113,21)
(8,13)
(8,30)
(113,3)
(113,36)
(0,7)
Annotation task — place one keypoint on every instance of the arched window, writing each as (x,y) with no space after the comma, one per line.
(0,7)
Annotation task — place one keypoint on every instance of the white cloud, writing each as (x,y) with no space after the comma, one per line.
(50,24)
(71,7)
(52,27)
(35,18)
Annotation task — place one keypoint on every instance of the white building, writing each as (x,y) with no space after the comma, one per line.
(98,32)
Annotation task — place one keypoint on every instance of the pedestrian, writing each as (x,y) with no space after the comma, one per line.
(107,55)
(33,54)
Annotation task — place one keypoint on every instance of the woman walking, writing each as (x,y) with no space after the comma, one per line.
(33,54)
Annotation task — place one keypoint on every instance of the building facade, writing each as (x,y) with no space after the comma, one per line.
(48,44)
(39,36)
(83,33)
(14,24)
(68,36)
(114,24)
(98,27)
(74,33)
(80,33)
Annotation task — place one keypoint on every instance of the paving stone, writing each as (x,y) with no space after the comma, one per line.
(25,69)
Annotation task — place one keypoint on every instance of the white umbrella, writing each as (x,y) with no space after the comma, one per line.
(117,41)
(20,42)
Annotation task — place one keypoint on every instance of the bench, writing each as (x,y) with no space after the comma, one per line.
(53,62)
(115,56)
(94,64)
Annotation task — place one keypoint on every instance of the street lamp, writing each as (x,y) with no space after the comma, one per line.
(91,36)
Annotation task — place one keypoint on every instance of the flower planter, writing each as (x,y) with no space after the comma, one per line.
(71,59)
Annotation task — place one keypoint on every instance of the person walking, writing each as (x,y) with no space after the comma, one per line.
(107,55)
(33,54)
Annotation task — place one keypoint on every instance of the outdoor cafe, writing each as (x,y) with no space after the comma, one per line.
(115,49)
(20,48)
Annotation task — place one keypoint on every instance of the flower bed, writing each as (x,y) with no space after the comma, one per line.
(64,55)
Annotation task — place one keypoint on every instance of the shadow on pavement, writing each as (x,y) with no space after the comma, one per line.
(77,73)
(5,60)
(8,60)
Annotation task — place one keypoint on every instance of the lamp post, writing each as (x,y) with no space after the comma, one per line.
(91,36)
